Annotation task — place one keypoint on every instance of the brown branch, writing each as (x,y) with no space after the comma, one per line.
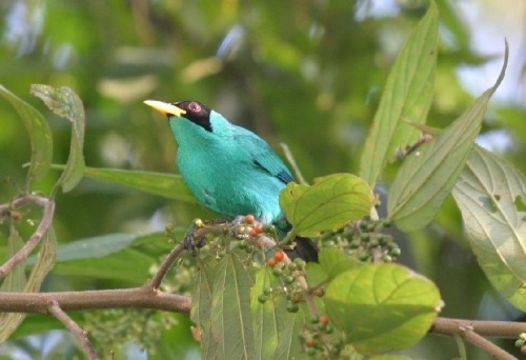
(94,299)
(55,310)
(155,282)
(42,228)
(474,330)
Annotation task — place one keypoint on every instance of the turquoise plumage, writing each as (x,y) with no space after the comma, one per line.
(228,168)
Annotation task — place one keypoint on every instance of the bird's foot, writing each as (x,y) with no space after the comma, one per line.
(190,241)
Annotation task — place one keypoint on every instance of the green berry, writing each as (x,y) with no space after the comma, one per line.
(354,244)
(387,223)
(387,258)
(277,271)
(293,308)
(395,252)
(373,243)
(363,256)
(288,279)
(519,342)
(262,298)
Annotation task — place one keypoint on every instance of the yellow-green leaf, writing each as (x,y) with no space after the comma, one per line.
(428,175)
(64,102)
(39,135)
(382,307)
(490,194)
(328,204)
(407,97)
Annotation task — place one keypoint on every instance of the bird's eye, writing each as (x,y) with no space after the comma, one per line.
(194,107)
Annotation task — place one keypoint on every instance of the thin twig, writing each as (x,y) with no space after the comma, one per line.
(486,345)
(155,282)
(292,162)
(42,228)
(55,310)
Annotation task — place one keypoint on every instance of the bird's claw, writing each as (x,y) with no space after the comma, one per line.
(190,242)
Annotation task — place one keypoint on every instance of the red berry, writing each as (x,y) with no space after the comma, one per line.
(279,255)
(523,349)
(319,292)
(249,219)
(310,342)
(324,319)
(16,215)
(258,228)
(272,262)
(253,232)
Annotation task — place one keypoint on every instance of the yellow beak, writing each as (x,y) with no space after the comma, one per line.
(165,108)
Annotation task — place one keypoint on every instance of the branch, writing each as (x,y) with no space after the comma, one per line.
(474,330)
(55,310)
(44,225)
(94,299)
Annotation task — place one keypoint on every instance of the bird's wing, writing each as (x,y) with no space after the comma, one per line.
(262,156)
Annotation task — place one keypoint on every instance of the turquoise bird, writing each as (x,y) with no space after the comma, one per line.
(228,168)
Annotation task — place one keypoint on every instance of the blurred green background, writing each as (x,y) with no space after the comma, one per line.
(307,73)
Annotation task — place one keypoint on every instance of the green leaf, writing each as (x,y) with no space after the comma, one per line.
(202,305)
(428,175)
(407,97)
(289,345)
(39,135)
(265,315)
(127,265)
(328,204)
(166,185)
(64,102)
(11,321)
(382,307)
(231,323)
(334,262)
(490,194)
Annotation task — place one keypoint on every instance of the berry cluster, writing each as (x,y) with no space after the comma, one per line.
(318,340)
(288,274)
(364,240)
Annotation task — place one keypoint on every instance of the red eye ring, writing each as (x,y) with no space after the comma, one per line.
(194,107)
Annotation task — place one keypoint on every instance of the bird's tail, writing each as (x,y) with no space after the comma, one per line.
(304,248)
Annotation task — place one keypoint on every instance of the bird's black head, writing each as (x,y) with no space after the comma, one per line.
(197,113)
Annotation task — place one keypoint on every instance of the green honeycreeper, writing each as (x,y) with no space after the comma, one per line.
(228,168)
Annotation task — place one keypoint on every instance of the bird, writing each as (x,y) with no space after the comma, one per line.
(228,168)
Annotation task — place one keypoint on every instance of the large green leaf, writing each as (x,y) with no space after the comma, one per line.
(166,185)
(289,345)
(406,97)
(265,316)
(490,194)
(39,135)
(382,307)
(202,305)
(231,322)
(334,262)
(64,102)
(328,204)
(428,175)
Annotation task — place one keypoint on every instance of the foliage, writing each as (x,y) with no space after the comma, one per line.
(251,301)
